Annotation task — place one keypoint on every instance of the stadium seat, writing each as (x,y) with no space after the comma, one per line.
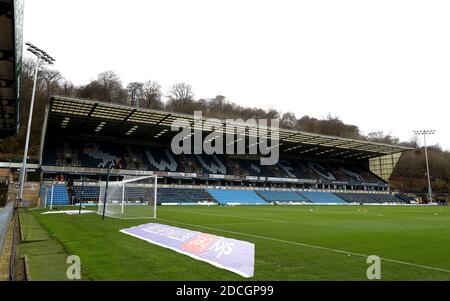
(281,196)
(293,169)
(384,198)
(322,197)
(183,195)
(252,167)
(211,164)
(60,194)
(164,195)
(322,170)
(369,198)
(405,198)
(161,159)
(244,197)
(106,159)
(86,193)
(363,198)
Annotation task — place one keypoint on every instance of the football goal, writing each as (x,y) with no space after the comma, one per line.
(131,198)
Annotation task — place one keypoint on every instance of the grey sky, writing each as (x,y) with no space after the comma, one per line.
(381,65)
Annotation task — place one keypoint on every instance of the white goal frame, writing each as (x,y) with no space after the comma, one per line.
(107,185)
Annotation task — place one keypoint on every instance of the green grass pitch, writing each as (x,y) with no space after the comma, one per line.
(291,242)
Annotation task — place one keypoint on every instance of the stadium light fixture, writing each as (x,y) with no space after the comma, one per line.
(425,133)
(42,58)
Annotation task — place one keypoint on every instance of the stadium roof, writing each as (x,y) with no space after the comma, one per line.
(71,116)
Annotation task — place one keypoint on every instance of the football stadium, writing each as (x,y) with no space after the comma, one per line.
(120,191)
(317,214)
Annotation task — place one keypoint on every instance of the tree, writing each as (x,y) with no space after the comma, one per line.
(135,93)
(288,120)
(66,88)
(49,77)
(111,87)
(181,92)
(107,87)
(152,95)
(382,138)
(181,98)
(92,90)
(272,114)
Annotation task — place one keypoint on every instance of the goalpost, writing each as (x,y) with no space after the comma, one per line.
(131,198)
(47,196)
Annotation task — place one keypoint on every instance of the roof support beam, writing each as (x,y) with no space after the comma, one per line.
(125,120)
(88,117)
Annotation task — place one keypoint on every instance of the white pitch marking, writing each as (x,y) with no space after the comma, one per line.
(313,246)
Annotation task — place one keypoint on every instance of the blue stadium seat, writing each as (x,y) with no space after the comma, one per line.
(250,168)
(369,198)
(293,169)
(357,198)
(160,159)
(245,197)
(384,198)
(60,194)
(102,156)
(282,196)
(49,157)
(182,195)
(164,195)
(322,197)
(86,193)
(211,164)
(404,198)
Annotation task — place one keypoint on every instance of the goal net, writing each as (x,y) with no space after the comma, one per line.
(131,198)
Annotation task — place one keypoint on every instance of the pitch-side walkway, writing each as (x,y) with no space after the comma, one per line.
(46,255)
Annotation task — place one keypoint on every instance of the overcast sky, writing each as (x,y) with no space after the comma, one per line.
(381,65)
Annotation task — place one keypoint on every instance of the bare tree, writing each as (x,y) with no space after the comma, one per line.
(152,95)
(181,92)
(107,87)
(49,77)
(111,87)
(272,114)
(288,120)
(135,93)
(181,99)
(382,138)
(66,88)
(93,90)
(413,142)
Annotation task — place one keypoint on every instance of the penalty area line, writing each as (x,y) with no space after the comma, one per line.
(311,246)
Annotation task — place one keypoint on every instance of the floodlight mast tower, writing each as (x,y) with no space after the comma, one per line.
(425,133)
(42,58)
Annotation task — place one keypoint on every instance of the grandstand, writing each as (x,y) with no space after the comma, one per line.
(82,138)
